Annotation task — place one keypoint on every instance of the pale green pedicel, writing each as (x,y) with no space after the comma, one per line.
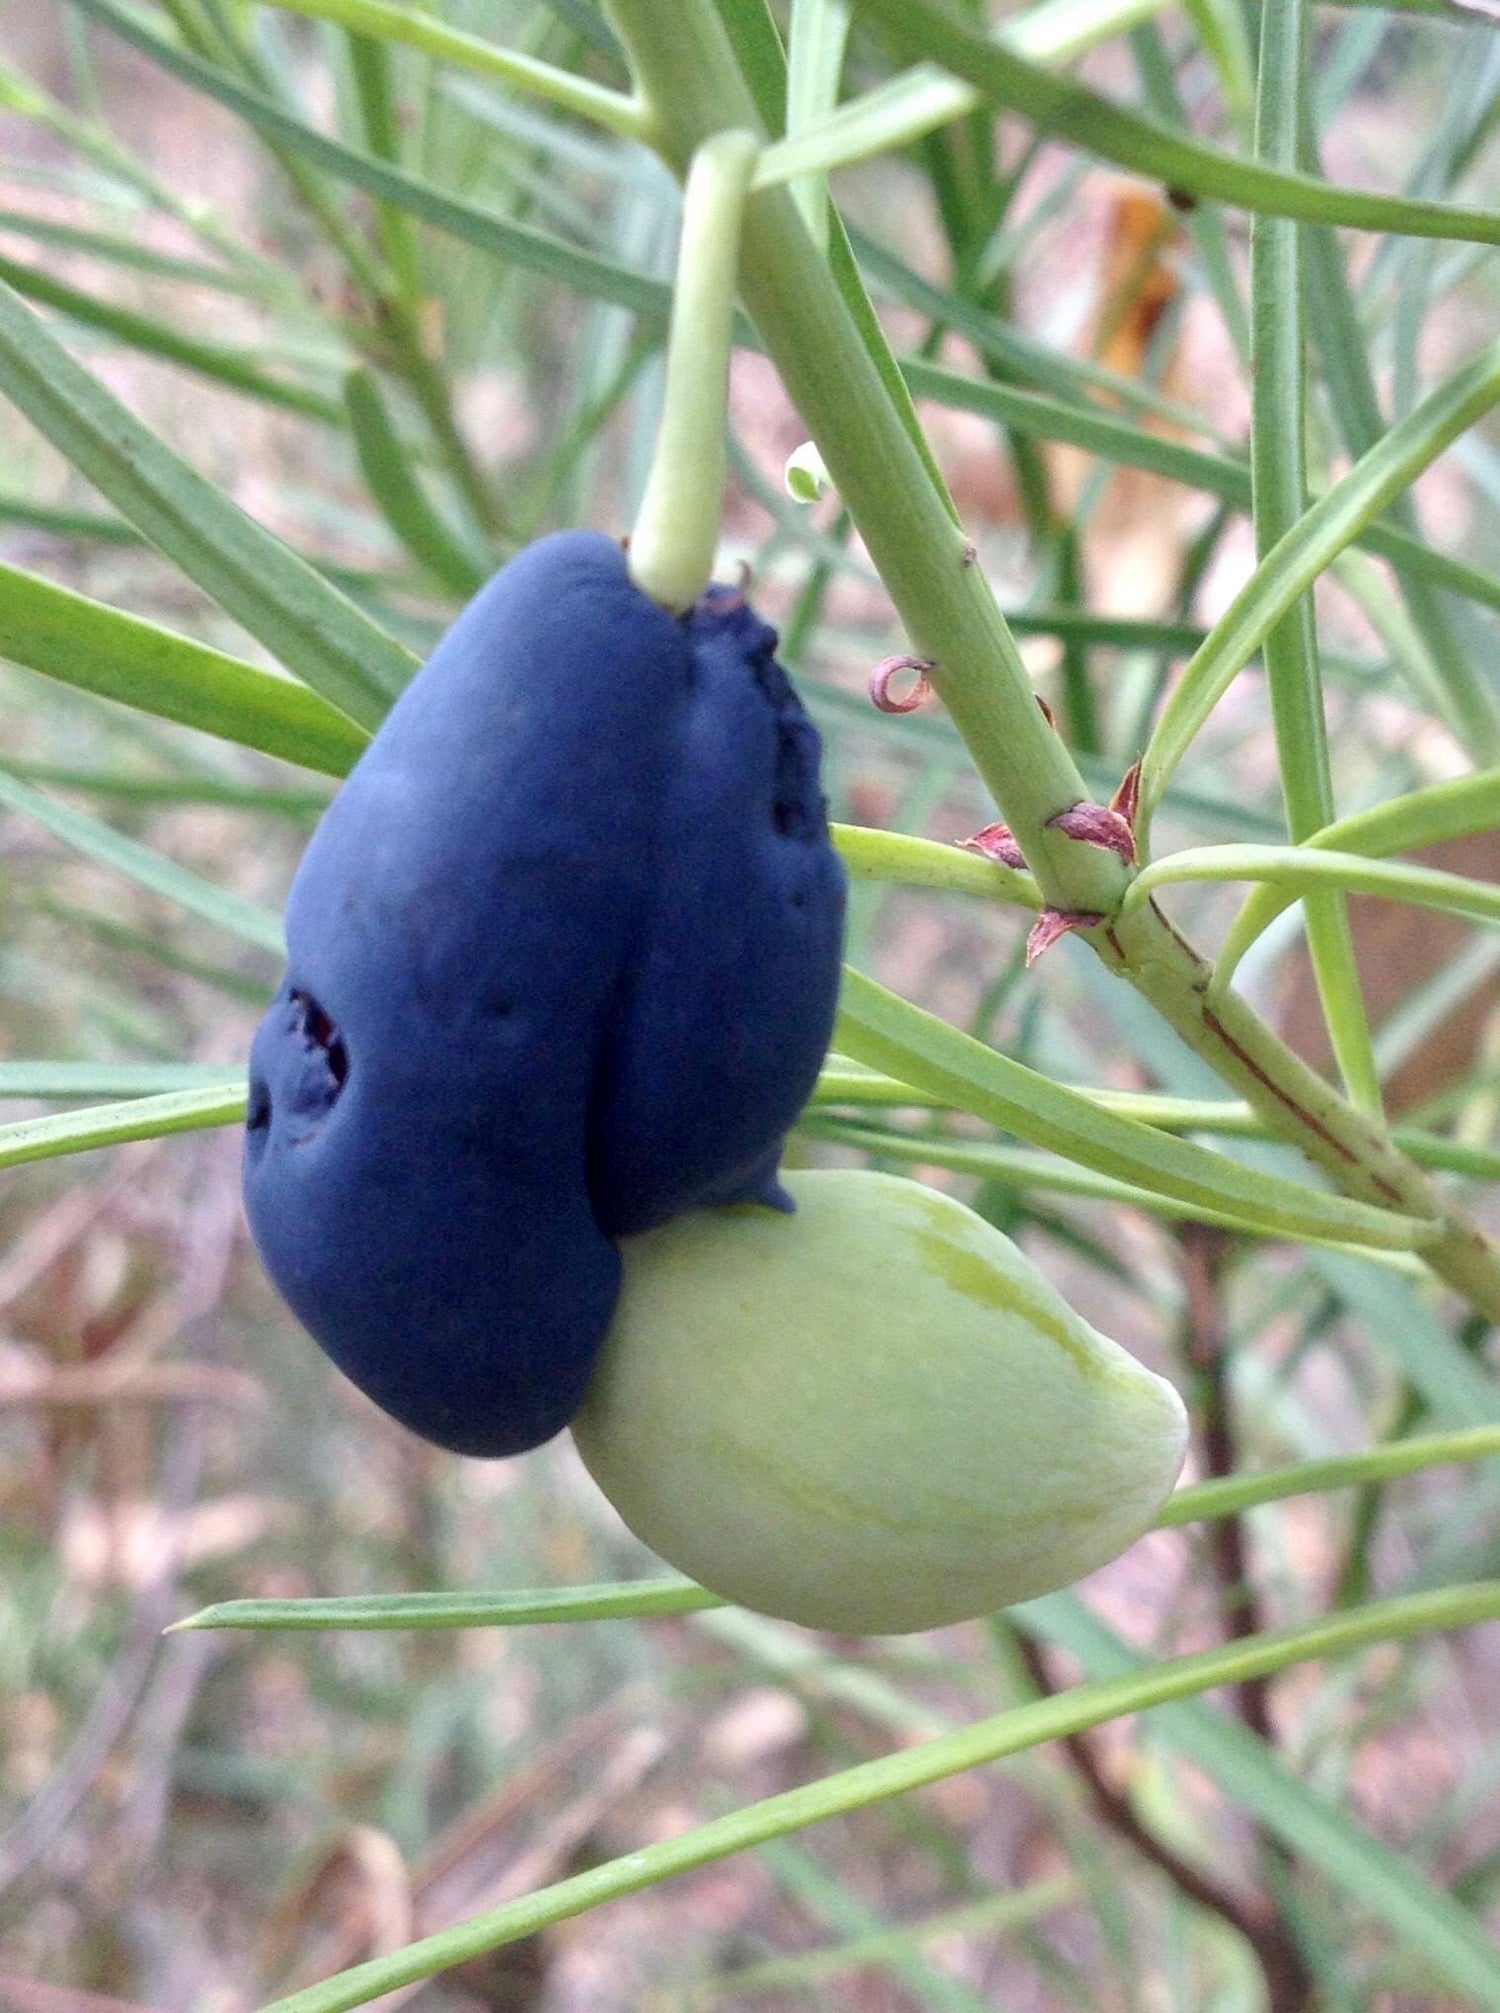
(875,1415)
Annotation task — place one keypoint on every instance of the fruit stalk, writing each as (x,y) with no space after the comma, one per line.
(676,530)
(693,89)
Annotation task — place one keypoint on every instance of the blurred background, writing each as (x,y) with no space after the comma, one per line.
(205,1822)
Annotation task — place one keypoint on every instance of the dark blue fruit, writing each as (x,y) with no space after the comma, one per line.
(729,1003)
(563,956)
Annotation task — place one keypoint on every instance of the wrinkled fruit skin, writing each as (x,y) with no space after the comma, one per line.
(873,1416)
(563,959)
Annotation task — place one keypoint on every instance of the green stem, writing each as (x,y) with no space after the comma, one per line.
(676,531)
(687,72)
(693,87)
(1296,1103)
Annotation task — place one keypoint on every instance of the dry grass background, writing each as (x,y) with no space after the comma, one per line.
(192,1825)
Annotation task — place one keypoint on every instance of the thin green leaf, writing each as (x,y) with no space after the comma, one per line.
(120,657)
(1008,82)
(844,1082)
(1014,1167)
(114,1079)
(1232,1495)
(1455,1386)
(217,361)
(312,628)
(818,33)
(623,1599)
(372,69)
(992,1915)
(877,1027)
(912,1768)
(1058,32)
(511,243)
(1278,469)
(1297,559)
(1291,871)
(1449,810)
(1201,1502)
(1466,698)
(115,1124)
(297,805)
(384,23)
(123,251)
(1075,379)
(830,1899)
(97,525)
(1115,439)
(148,869)
(403,502)
(1382,1880)
(872,855)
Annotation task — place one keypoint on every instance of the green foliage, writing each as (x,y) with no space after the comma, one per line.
(475,204)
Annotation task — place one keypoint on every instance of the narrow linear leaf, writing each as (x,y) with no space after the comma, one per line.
(115,1124)
(1024,357)
(96,525)
(817,36)
(121,939)
(878,1027)
(1278,465)
(1449,810)
(1017,1168)
(148,869)
(1009,83)
(122,251)
(130,787)
(872,855)
(303,621)
(1229,1496)
(514,244)
(1297,558)
(914,1767)
(402,501)
(114,1079)
(994,1914)
(1077,424)
(847,1083)
(1201,1503)
(385,23)
(625,1598)
(844,1081)
(216,361)
(98,649)
(1383,1881)
(1455,1385)
(1292,871)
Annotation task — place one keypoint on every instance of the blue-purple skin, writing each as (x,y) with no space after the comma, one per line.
(563,957)
(415,1156)
(731,995)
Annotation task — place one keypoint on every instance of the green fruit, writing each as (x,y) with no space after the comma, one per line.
(873,1416)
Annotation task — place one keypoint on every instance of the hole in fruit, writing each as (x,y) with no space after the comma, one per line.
(319,1033)
(258,1110)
